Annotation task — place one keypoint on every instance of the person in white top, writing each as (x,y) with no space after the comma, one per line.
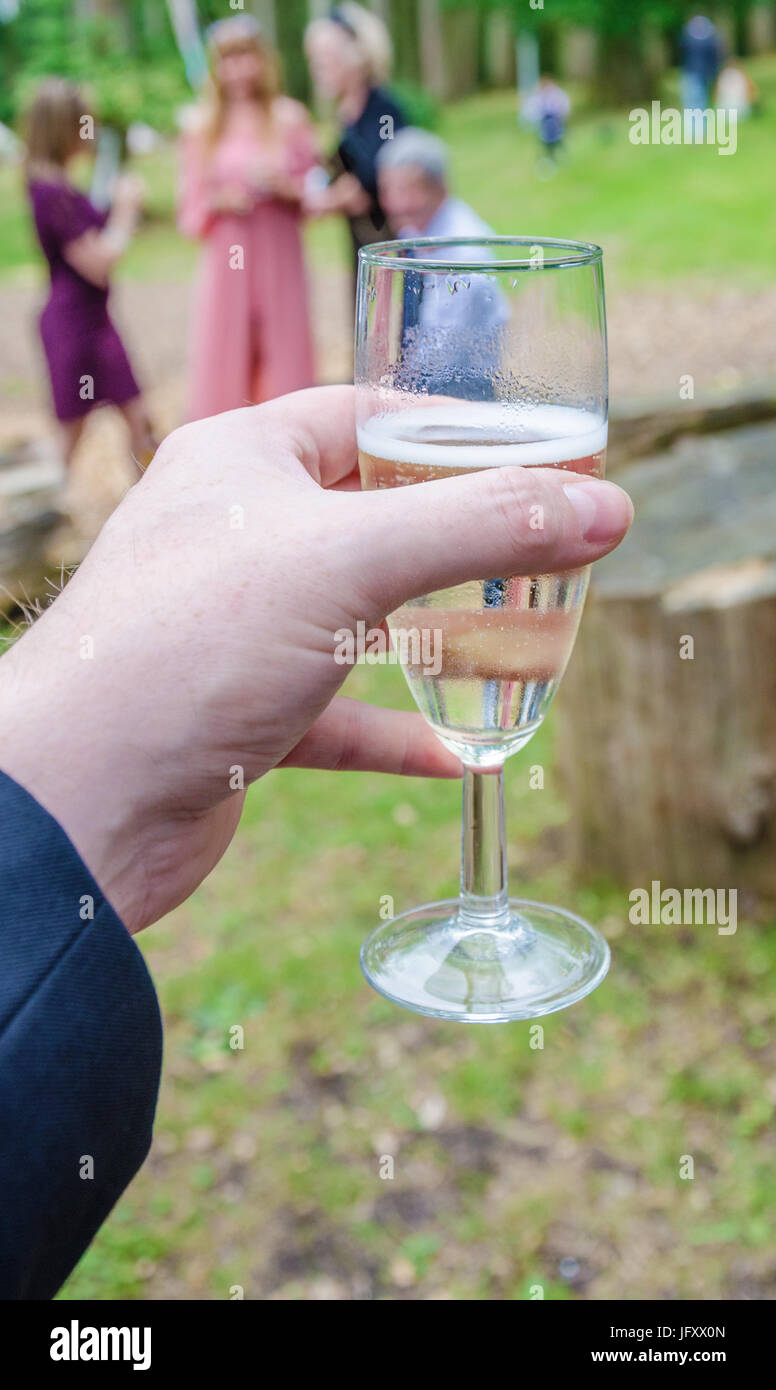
(451,320)
(735,90)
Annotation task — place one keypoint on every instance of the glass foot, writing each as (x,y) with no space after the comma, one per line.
(539,960)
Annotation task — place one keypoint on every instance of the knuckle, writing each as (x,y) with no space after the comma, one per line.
(527,502)
(347,752)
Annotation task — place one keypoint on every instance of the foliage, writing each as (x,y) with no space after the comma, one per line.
(419,104)
(626,65)
(129,72)
(125,49)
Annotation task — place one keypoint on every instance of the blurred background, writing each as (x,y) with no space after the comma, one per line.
(517,1168)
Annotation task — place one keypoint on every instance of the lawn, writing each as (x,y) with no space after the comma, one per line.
(518,1170)
(661,212)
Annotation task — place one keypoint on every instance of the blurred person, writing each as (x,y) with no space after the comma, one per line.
(547,107)
(350,56)
(243,164)
(87,363)
(154,727)
(413,182)
(445,333)
(736,91)
(701,59)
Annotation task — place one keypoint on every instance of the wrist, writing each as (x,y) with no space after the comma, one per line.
(59,744)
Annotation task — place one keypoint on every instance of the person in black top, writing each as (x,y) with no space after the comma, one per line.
(176,655)
(350,54)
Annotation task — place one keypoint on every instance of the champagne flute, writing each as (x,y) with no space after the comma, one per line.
(471,356)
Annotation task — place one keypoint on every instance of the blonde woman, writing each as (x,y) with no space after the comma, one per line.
(350,55)
(86,360)
(244,162)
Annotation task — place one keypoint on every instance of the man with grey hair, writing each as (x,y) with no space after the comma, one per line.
(412,175)
(451,322)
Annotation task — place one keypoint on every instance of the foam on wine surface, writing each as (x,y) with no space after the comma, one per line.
(483,434)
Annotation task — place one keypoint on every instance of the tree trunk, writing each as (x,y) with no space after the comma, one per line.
(406,40)
(432,57)
(31,478)
(499,49)
(668,708)
(290,23)
(740,23)
(461,39)
(624,77)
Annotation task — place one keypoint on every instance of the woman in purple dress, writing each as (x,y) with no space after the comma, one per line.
(86,359)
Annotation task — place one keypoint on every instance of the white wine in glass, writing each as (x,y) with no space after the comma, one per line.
(472,357)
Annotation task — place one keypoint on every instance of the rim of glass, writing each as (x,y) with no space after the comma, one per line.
(568,253)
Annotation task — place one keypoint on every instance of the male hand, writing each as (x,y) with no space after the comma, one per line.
(198,634)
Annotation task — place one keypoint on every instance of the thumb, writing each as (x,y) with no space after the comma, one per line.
(497,521)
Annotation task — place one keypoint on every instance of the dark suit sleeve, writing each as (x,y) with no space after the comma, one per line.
(361,142)
(80,1051)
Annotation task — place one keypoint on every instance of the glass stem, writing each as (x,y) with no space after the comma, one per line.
(484,890)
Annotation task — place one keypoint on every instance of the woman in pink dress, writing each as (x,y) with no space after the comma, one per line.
(244,163)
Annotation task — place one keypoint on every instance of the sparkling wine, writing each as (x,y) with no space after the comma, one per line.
(493,651)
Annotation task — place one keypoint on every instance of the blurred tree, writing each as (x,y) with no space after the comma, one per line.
(290,21)
(123,53)
(405,31)
(626,32)
(126,51)
(741,10)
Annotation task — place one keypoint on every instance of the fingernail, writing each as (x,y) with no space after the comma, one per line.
(604,510)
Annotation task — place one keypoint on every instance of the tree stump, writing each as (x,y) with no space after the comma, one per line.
(31,480)
(668,706)
(647,426)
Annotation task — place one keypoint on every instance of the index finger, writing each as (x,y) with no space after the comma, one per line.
(320,424)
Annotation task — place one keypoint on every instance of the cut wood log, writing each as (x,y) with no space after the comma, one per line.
(646,427)
(667,711)
(31,481)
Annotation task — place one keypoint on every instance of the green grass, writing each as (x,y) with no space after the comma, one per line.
(508,1158)
(661,212)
